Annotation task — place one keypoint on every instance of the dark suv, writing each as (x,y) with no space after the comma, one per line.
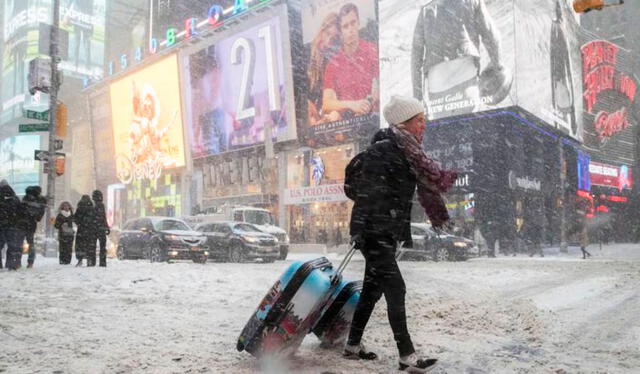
(239,241)
(161,239)
(442,246)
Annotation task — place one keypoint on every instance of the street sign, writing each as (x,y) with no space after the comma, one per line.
(39,155)
(32,114)
(58,144)
(33,127)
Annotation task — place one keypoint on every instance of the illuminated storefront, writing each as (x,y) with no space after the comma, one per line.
(318,211)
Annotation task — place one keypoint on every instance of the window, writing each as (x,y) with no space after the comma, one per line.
(237,216)
(259,217)
(144,223)
(171,224)
(243,227)
(130,225)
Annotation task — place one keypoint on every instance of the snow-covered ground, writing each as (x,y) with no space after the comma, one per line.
(557,314)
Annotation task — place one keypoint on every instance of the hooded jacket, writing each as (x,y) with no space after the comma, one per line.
(383,203)
(35,205)
(12,211)
(85,217)
(101,215)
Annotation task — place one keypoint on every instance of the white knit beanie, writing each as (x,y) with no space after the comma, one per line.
(401,108)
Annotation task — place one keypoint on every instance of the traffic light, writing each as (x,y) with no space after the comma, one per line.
(584,6)
(60,166)
(61,120)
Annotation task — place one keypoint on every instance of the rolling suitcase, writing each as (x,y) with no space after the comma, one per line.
(291,308)
(333,327)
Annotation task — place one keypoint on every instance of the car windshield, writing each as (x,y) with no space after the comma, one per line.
(258,217)
(243,227)
(170,224)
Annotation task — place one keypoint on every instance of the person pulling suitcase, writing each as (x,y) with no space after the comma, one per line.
(381,181)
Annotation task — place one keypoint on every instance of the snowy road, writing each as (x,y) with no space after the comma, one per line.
(557,314)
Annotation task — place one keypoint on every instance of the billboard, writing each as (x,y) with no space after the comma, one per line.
(340,88)
(17,164)
(610,105)
(237,89)
(548,64)
(20,38)
(618,177)
(84,20)
(147,121)
(457,56)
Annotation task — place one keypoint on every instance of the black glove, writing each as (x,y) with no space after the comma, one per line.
(357,241)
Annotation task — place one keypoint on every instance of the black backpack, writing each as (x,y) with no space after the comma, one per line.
(353,176)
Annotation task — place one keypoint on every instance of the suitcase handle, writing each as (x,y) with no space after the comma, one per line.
(345,261)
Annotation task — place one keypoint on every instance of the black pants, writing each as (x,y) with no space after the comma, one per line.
(86,248)
(102,240)
(65,249)
(382,276)
(32,246)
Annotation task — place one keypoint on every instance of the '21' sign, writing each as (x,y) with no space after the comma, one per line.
(243,54)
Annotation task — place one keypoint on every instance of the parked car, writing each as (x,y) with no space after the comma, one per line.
(259,217)
(239,241)
(161,239)
(427,244)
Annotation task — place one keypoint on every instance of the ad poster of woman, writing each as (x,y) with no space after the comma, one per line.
(341,60)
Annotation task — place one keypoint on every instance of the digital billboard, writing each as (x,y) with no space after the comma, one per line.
(457,56)
(84,21)
(147,121)
(340,88)
(17,164)
(548,63)
(236,89)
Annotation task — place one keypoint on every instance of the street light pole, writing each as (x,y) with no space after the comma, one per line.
(53,104)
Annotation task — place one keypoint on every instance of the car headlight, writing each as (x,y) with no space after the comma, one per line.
(251,239)
(460,244)
(171,238)
(286,238)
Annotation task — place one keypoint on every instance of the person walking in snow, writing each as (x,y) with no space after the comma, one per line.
(101,227)
(85,218)
(35,204)
(14,223)
(382,181)
(66,235)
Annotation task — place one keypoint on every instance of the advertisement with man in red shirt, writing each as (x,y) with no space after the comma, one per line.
(340,38)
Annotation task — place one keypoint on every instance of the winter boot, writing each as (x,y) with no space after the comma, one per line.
(79,263)
(413,364)
(30,265)
(358,352)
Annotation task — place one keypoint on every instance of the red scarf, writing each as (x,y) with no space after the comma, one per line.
(432,181)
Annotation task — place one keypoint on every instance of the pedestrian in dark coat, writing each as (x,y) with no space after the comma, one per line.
(85,219)
(35,204)
(66,235)
(390,170)
(102,227)
(13,217)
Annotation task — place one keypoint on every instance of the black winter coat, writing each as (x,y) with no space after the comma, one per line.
(385,191)
(13,214)
(85,218)
(101,218)
(35,205)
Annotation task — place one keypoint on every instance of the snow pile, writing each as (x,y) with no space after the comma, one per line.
(554,314)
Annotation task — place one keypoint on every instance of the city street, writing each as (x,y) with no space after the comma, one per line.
(557,314)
